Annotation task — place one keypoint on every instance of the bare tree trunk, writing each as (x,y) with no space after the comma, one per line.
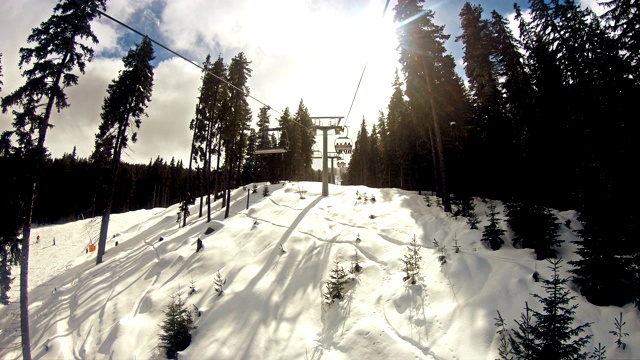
(436,167)
(24,280)
(217,181)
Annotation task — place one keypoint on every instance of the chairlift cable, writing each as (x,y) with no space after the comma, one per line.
(362,75)
(172,51)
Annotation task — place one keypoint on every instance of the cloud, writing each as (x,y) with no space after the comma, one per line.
(314,50)
(166,131)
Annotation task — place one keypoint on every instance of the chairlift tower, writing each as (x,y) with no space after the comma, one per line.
(326,124)
(333,156)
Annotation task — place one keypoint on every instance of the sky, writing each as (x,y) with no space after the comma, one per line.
(313,50)
(272,305)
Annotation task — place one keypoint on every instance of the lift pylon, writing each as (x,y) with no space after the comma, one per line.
(326,124)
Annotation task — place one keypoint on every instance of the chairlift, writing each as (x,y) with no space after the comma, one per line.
(342,164)
(281,147)
(343,144)
(315,153)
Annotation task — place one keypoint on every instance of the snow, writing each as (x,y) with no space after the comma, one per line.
(272,306)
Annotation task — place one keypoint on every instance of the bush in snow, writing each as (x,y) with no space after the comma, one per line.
(411,261)
(255,188)
(427,198)
(265,191)
(176,326)
(335,284)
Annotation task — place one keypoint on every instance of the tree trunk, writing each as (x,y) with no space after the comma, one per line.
(115,163)
(436,128)
(24,279)
(217,181)
(436,167)
(26,229)
(228,191)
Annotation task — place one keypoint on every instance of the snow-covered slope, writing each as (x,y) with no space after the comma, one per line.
(272,305)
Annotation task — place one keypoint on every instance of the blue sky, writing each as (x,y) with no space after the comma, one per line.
(307,50)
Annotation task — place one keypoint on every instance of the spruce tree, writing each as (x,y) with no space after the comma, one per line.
(122,112)
(504,349)
(218,282)
(553,331)
(598,353)
(619,333)
(523,342)
(411,262)
(492,233)
(489,133)
(434,90)
(62,46)
(306,135)
(623,17)
(335,285)
(206,125)
(5,275)
(534,227)
(285,121)
(398,144)
(176,326)
(237,116)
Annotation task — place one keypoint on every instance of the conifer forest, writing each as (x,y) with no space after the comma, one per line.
(543,118)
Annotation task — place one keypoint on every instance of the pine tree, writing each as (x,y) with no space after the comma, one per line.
(411,262)
(5,275)
(492,233)
(598,353)
(237,115)
(206,125)
(534,227)
(619,333)
(523,342)
(504,349)
(489,133)
(555,338)
(335,285)
(355,264)
(306,137)
(62,45)
(123,108)
(623,17)
(398,144)
(436,94)
(218,281)
(176,326)
(600,248)
(265,191)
